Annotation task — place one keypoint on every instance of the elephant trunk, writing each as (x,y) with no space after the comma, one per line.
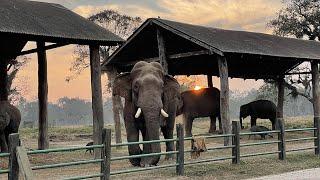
(152,125)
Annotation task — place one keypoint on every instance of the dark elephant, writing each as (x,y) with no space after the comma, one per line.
(204,102)
(10,118)
(151,100)
(262,109)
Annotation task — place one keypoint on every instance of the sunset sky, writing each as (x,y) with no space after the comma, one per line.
(248,15)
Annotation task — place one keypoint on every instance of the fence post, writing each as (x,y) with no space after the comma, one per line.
(317,135)
(281,138)
(236,142)
(13,162)
(180,149)
(106,154)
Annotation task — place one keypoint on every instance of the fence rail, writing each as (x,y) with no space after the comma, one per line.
(106,146)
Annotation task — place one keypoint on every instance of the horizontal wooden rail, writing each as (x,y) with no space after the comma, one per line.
(300,129)
(259,154)
(64,149)
(208,160)
(84,177)
(301,139)
(301,149)
(142,155)
(142,169)
(59,165)
(259,143)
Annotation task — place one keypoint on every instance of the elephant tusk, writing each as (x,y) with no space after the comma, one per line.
(164,114)
(138,113)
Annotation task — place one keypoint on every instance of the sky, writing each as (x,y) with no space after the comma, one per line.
(248,15)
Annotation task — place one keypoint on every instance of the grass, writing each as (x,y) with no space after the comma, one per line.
(249,167)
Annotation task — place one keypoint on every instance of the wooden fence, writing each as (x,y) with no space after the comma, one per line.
(19,162)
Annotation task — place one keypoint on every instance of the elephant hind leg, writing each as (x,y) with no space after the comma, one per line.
(188,125)
(253,121)
(3,143)
(213,126)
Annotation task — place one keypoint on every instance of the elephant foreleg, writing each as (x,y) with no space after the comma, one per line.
(168,134)
(253,121)
(213,126)
(3,143)
(188,125)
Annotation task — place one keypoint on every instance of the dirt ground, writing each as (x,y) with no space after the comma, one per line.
(249,167)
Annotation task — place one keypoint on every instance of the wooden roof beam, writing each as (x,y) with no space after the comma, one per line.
(51,46)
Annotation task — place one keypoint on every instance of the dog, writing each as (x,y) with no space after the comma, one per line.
(90,149)
(261,129)
(198,146)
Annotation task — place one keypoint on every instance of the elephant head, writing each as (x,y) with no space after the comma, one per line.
(244,112)
(150,93)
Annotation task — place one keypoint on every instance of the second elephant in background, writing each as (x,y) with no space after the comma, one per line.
(204,102)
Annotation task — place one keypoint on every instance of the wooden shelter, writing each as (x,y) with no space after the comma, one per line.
(23,21)
(185,49)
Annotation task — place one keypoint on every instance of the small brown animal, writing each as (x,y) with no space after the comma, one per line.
(89,149)
(198,146)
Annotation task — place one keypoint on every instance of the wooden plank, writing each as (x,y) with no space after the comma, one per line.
(224,98)
(3,79)
(317,135)
(188,54)
(162,51)
(14,142)
(280,98)
(106,154)
(180,149)
(51,46)
(316,104)
(43,142)
(24,164)
(315,88)
(236,142)
(210,83)
(116,118)
(97,107)
(281,138)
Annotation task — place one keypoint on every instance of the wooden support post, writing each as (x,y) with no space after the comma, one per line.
(106,154)
(162,51)
(224,98)
(24,164)
(43,142)
(14,142)
(316,103)
(281,138)
(3,79)
(317,135)
(97,107)
(116,117)
(210,83)
(236,142)
(280,100)
(180,149)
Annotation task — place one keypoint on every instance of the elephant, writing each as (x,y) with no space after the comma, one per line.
(200,103)
(10,119)
(263,109)
(151,100)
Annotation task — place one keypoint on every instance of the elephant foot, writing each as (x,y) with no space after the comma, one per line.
(220,132)
(135,161)
(212,130)
(169,157)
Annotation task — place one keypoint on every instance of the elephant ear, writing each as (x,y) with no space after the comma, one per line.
(122,86)
(170,96)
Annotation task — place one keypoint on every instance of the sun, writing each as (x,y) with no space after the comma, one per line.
(197,88)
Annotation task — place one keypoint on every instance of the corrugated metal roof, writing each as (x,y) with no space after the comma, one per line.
(48,20)
(247,42)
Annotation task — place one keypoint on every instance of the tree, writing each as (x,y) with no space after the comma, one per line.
(121,25)
(13,68)
(301,19)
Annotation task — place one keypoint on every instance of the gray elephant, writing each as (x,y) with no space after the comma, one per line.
(10,118)
(200,103)
(151,100)
(262,109)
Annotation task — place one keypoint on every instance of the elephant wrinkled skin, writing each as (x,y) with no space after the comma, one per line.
(262,109)
(151,100)
(10,118)
(200,103)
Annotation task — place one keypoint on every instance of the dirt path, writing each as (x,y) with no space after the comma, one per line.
(310,174)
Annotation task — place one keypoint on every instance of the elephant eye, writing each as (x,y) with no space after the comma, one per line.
(136,87)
